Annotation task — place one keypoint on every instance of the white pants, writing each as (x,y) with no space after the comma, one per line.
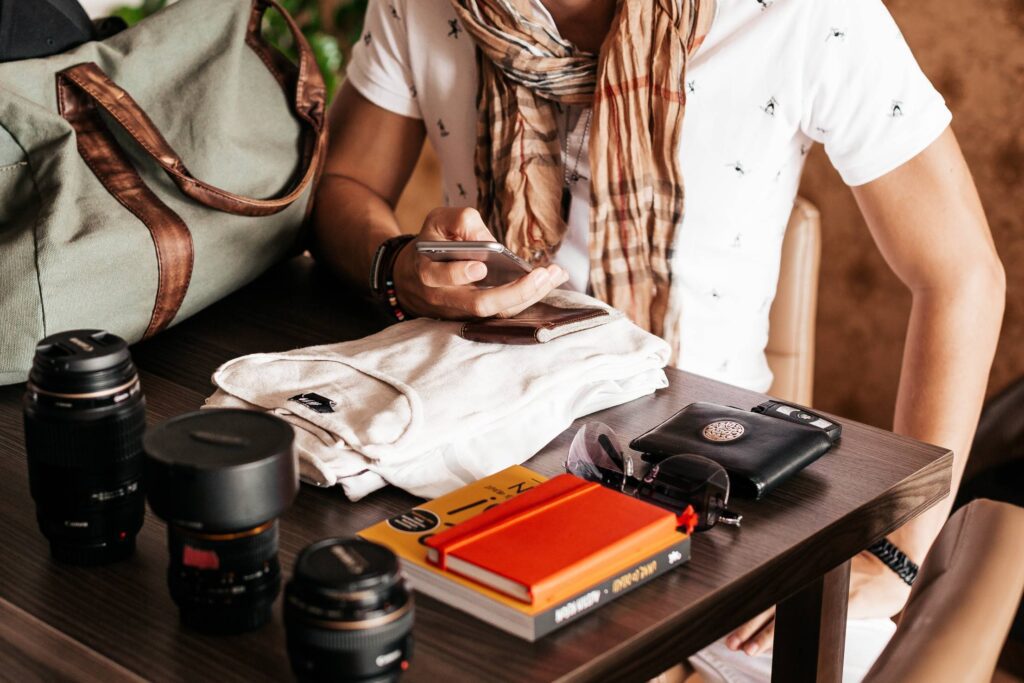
(865,640)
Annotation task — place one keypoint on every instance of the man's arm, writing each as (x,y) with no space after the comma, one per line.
(371,155)
(929,224)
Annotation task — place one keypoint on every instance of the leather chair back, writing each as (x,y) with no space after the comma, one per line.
(790,349)
(959,612)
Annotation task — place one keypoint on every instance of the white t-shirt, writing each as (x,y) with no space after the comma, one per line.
(772,78)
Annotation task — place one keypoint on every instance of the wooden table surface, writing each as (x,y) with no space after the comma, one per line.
(118,622)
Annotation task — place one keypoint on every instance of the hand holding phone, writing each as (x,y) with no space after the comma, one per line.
(437,283)
(503,266)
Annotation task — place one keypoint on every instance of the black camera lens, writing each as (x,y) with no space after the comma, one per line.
(220,479)
(84,420)
(348,613)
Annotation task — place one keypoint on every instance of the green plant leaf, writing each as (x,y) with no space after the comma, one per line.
(328,58)
(151,6)
(348,20)
(131,15)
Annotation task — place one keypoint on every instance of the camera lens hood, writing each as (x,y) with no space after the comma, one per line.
(220,469)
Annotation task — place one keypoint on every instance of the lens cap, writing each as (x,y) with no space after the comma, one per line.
(346,565)
(220,469)
(81,361)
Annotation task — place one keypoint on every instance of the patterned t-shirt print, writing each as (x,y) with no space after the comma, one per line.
(747,124)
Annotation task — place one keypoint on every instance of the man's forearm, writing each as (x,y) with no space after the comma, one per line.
(928,221)
(349,222)
(951,340)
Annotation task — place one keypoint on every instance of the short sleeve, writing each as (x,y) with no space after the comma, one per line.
(379,68)
(867,100)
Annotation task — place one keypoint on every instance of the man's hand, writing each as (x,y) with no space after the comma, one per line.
(875,591)
(372,154)
(446,290)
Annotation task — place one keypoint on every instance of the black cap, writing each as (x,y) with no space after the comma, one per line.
(346,580)
(220,469)
(39,28)
(346,565)
(81,361)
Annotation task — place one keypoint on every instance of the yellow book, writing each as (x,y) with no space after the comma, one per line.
(405,534)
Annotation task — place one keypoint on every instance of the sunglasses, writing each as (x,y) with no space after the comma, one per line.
(675,483)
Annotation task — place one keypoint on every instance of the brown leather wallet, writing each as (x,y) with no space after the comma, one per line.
(538,324)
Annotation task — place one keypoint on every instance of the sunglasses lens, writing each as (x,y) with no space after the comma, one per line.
(688,479)
(596,454)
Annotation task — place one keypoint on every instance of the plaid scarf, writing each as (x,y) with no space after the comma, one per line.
(636,88)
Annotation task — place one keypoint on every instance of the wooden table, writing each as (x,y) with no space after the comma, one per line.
(118,622)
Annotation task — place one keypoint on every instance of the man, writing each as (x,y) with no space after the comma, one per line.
(582,129)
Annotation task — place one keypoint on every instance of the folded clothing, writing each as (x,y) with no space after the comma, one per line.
(418,406)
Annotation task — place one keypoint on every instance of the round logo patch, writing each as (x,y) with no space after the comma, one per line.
(723,430)
(415,521)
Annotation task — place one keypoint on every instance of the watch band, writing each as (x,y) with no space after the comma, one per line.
(382,273)
(896,560)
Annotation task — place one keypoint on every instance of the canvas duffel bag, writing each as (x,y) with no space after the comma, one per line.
(145,176)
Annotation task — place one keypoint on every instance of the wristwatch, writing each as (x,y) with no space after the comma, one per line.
(382,273)
(895,559)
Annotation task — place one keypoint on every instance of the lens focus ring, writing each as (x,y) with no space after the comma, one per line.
(224,583)
(85,444)
(301,630)
(233,550)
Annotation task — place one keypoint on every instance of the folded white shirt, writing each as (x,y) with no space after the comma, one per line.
(418,406)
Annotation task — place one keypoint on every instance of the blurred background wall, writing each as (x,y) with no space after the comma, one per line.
(974,54)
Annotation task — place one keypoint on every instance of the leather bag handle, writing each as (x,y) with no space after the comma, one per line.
(84,89)
(309,105)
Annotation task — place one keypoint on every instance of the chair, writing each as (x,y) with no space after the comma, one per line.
(790,349)
(959,612)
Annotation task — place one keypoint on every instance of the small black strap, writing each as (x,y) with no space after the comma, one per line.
(384,262)
(896,560)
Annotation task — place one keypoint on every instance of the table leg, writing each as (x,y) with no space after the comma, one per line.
(810,631)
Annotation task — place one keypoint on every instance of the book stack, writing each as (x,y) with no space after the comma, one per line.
(529,555)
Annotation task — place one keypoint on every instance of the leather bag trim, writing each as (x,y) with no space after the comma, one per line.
(308,103)
(111,166)
(82,88)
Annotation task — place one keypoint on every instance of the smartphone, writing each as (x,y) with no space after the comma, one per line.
(503,266)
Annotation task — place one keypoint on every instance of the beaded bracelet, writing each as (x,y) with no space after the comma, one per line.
(392,299)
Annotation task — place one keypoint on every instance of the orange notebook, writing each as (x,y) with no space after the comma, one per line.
(565,531)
